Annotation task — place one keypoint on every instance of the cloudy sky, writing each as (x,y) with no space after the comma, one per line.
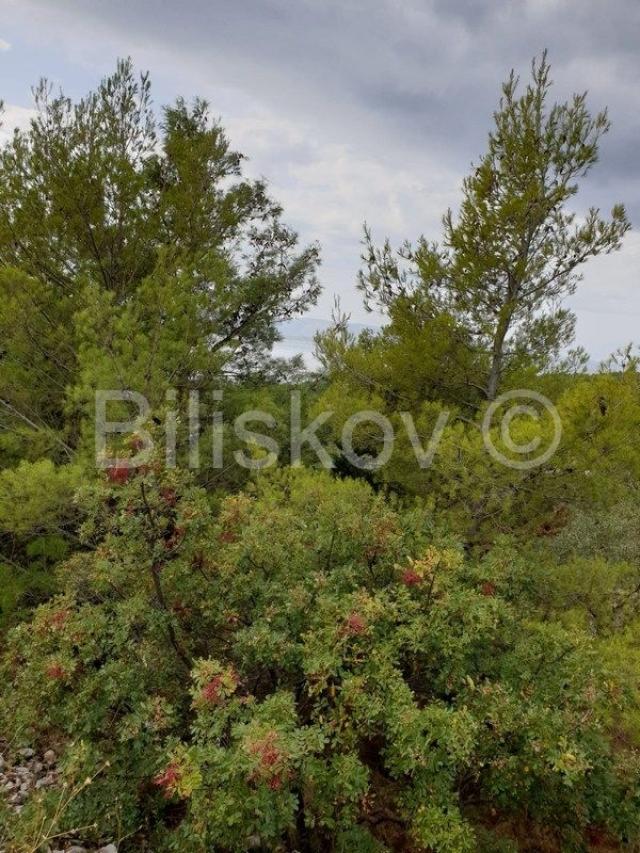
(362,109)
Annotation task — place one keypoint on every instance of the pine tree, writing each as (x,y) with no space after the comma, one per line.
(133,252)
(515,247)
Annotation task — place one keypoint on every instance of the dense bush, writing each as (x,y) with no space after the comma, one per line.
(309,669)
(441,658)
(595,466)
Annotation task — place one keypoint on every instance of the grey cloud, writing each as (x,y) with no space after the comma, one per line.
(415,65)
(405,86)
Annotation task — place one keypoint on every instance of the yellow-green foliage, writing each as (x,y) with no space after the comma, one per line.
(311,663)
(37,497)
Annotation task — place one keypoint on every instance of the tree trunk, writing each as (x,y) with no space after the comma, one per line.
(497,351)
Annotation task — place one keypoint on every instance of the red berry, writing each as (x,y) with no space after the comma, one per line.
(59,618)
(169,496)
(55,672)
(488,588)
(118,474)
(270,755)
(411,578)
(136,443)
(228,536)
(168,779)
(270,758)
(210,693)
(355,624)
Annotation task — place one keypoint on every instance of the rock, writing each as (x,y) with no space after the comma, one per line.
(49,757)
(110,848)
(26,752)
(1,763)
(76,849)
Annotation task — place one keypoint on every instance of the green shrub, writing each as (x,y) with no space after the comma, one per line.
(308,669)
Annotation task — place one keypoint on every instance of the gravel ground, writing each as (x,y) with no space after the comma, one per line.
(23,771)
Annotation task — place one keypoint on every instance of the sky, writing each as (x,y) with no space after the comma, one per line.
(362,110)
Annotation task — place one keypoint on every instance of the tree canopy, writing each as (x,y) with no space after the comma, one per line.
(515,246)
(133,254)
(439,652)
